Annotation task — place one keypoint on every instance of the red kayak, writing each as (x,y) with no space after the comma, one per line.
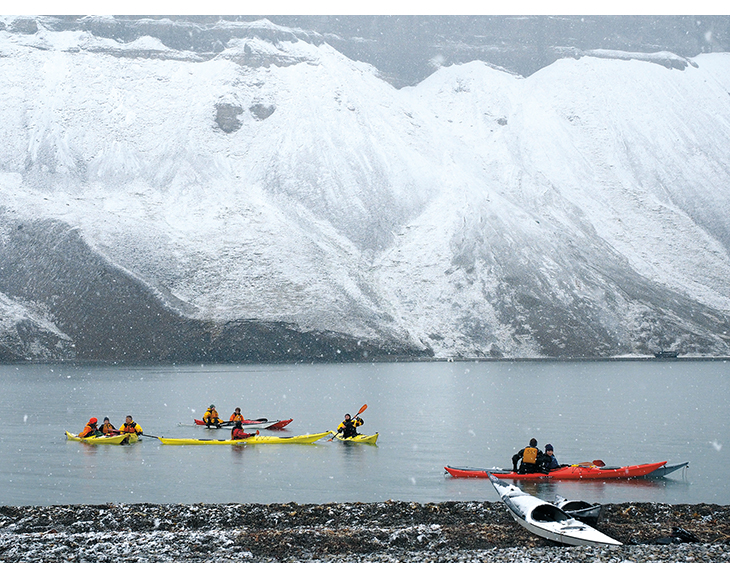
(575,472)
(260,423)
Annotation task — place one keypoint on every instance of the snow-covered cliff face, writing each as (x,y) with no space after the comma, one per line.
(577,212)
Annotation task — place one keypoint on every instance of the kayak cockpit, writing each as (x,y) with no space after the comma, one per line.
(549,513)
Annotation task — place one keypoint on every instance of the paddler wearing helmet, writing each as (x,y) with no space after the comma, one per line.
(91,430)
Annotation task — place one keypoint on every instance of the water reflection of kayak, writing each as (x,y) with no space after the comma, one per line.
(573,472)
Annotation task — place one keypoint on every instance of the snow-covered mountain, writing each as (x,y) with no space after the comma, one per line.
(277,200)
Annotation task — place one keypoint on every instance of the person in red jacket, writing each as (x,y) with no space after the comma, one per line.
(237,432)
(91,430)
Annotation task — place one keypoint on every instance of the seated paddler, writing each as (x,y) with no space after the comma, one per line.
(91,430)
(348,427)
(210,417)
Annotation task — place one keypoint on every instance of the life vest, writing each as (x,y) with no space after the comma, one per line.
(236,417)
(108,429)
(529,455)
(210,414)
(131,427)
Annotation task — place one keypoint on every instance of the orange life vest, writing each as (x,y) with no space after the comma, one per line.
(108,429)
(529,455)
(131,427)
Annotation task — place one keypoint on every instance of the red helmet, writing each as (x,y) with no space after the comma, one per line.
(93,420)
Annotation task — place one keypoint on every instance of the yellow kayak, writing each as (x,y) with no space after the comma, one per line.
(105,440)
(359,438)
(303,439)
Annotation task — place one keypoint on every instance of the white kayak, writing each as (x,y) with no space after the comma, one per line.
(547,520)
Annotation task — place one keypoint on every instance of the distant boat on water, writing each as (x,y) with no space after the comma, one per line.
(666,354)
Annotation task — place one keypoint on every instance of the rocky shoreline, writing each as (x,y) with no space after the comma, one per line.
(349,532)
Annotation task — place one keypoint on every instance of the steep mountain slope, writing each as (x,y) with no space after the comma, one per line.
(597,199)
(577,212)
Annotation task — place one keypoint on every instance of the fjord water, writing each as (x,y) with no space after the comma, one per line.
(428,415)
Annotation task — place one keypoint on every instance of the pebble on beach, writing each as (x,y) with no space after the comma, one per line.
(348,532)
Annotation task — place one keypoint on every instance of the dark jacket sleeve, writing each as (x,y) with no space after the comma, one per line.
(516,458)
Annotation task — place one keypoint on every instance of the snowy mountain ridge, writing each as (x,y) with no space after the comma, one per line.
(577,212)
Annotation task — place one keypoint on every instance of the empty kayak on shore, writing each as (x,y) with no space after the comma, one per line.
(359,438)
(252,424)
(105,440)
(547,520)
(574,472)
(302,439)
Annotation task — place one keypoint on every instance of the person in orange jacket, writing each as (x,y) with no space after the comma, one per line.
(129,426)
(91,430)
(236,415)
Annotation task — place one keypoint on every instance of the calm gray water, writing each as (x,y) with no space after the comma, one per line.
(428,414)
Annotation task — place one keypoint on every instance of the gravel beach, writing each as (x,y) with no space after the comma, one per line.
(348,532)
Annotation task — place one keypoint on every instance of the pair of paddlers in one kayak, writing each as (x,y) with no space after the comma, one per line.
(534,461)
(212,419)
